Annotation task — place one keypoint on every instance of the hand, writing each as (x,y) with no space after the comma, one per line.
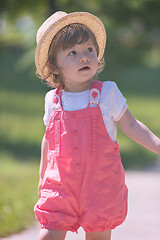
(40,186)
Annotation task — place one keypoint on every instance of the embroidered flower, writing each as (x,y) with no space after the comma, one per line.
(57,102)
(94,94)
(94,97)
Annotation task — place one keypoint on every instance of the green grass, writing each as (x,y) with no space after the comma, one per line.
(18,184)
(21,131)
(21,123)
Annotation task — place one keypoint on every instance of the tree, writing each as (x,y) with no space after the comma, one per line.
(132,25)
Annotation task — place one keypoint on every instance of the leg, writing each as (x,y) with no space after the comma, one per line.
(49,234)
(98,235)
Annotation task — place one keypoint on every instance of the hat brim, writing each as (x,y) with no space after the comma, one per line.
(89,20)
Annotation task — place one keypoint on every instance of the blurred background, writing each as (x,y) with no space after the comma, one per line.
(132,60)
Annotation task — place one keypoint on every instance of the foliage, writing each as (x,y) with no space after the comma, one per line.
(17,8)
(142,15)
(132,26)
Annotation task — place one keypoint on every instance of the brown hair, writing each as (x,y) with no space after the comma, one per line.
(67,37)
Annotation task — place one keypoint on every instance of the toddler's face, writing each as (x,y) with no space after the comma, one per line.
(78,65)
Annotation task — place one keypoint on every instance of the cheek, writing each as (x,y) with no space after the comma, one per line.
(68,66)
(95,60)
(94,56)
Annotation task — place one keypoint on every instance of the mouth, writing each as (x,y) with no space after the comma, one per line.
(86,68)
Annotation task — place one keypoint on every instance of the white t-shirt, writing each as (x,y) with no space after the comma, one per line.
(112,104)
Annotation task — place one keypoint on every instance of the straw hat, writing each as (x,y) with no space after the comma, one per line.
(59,20)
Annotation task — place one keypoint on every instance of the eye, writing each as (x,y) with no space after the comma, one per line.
(72,53)
(90,49)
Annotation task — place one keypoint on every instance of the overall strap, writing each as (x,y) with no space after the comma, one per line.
(94,98)
(97,84)
(95,93)
(57,100)
(57,103)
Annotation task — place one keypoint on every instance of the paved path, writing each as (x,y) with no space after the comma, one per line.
(143,221)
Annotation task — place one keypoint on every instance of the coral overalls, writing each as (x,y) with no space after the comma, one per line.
(84,183)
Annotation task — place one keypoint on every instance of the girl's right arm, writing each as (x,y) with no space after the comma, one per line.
(43,163)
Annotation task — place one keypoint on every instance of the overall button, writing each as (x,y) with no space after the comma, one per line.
(75,132)
(73,115)
(78,164)
(116,149)
(76,148)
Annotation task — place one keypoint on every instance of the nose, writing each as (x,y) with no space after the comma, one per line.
(84,58)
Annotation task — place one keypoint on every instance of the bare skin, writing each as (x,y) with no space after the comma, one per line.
(98,235)
(49,234)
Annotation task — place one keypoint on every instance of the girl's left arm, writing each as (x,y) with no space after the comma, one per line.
(139,132)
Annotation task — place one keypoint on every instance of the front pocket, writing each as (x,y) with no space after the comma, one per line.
(53,198)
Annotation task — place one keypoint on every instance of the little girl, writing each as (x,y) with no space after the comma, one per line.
(82,181)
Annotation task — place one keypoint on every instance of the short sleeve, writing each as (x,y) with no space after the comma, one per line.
(48,106)
(118,103)
(112,105)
